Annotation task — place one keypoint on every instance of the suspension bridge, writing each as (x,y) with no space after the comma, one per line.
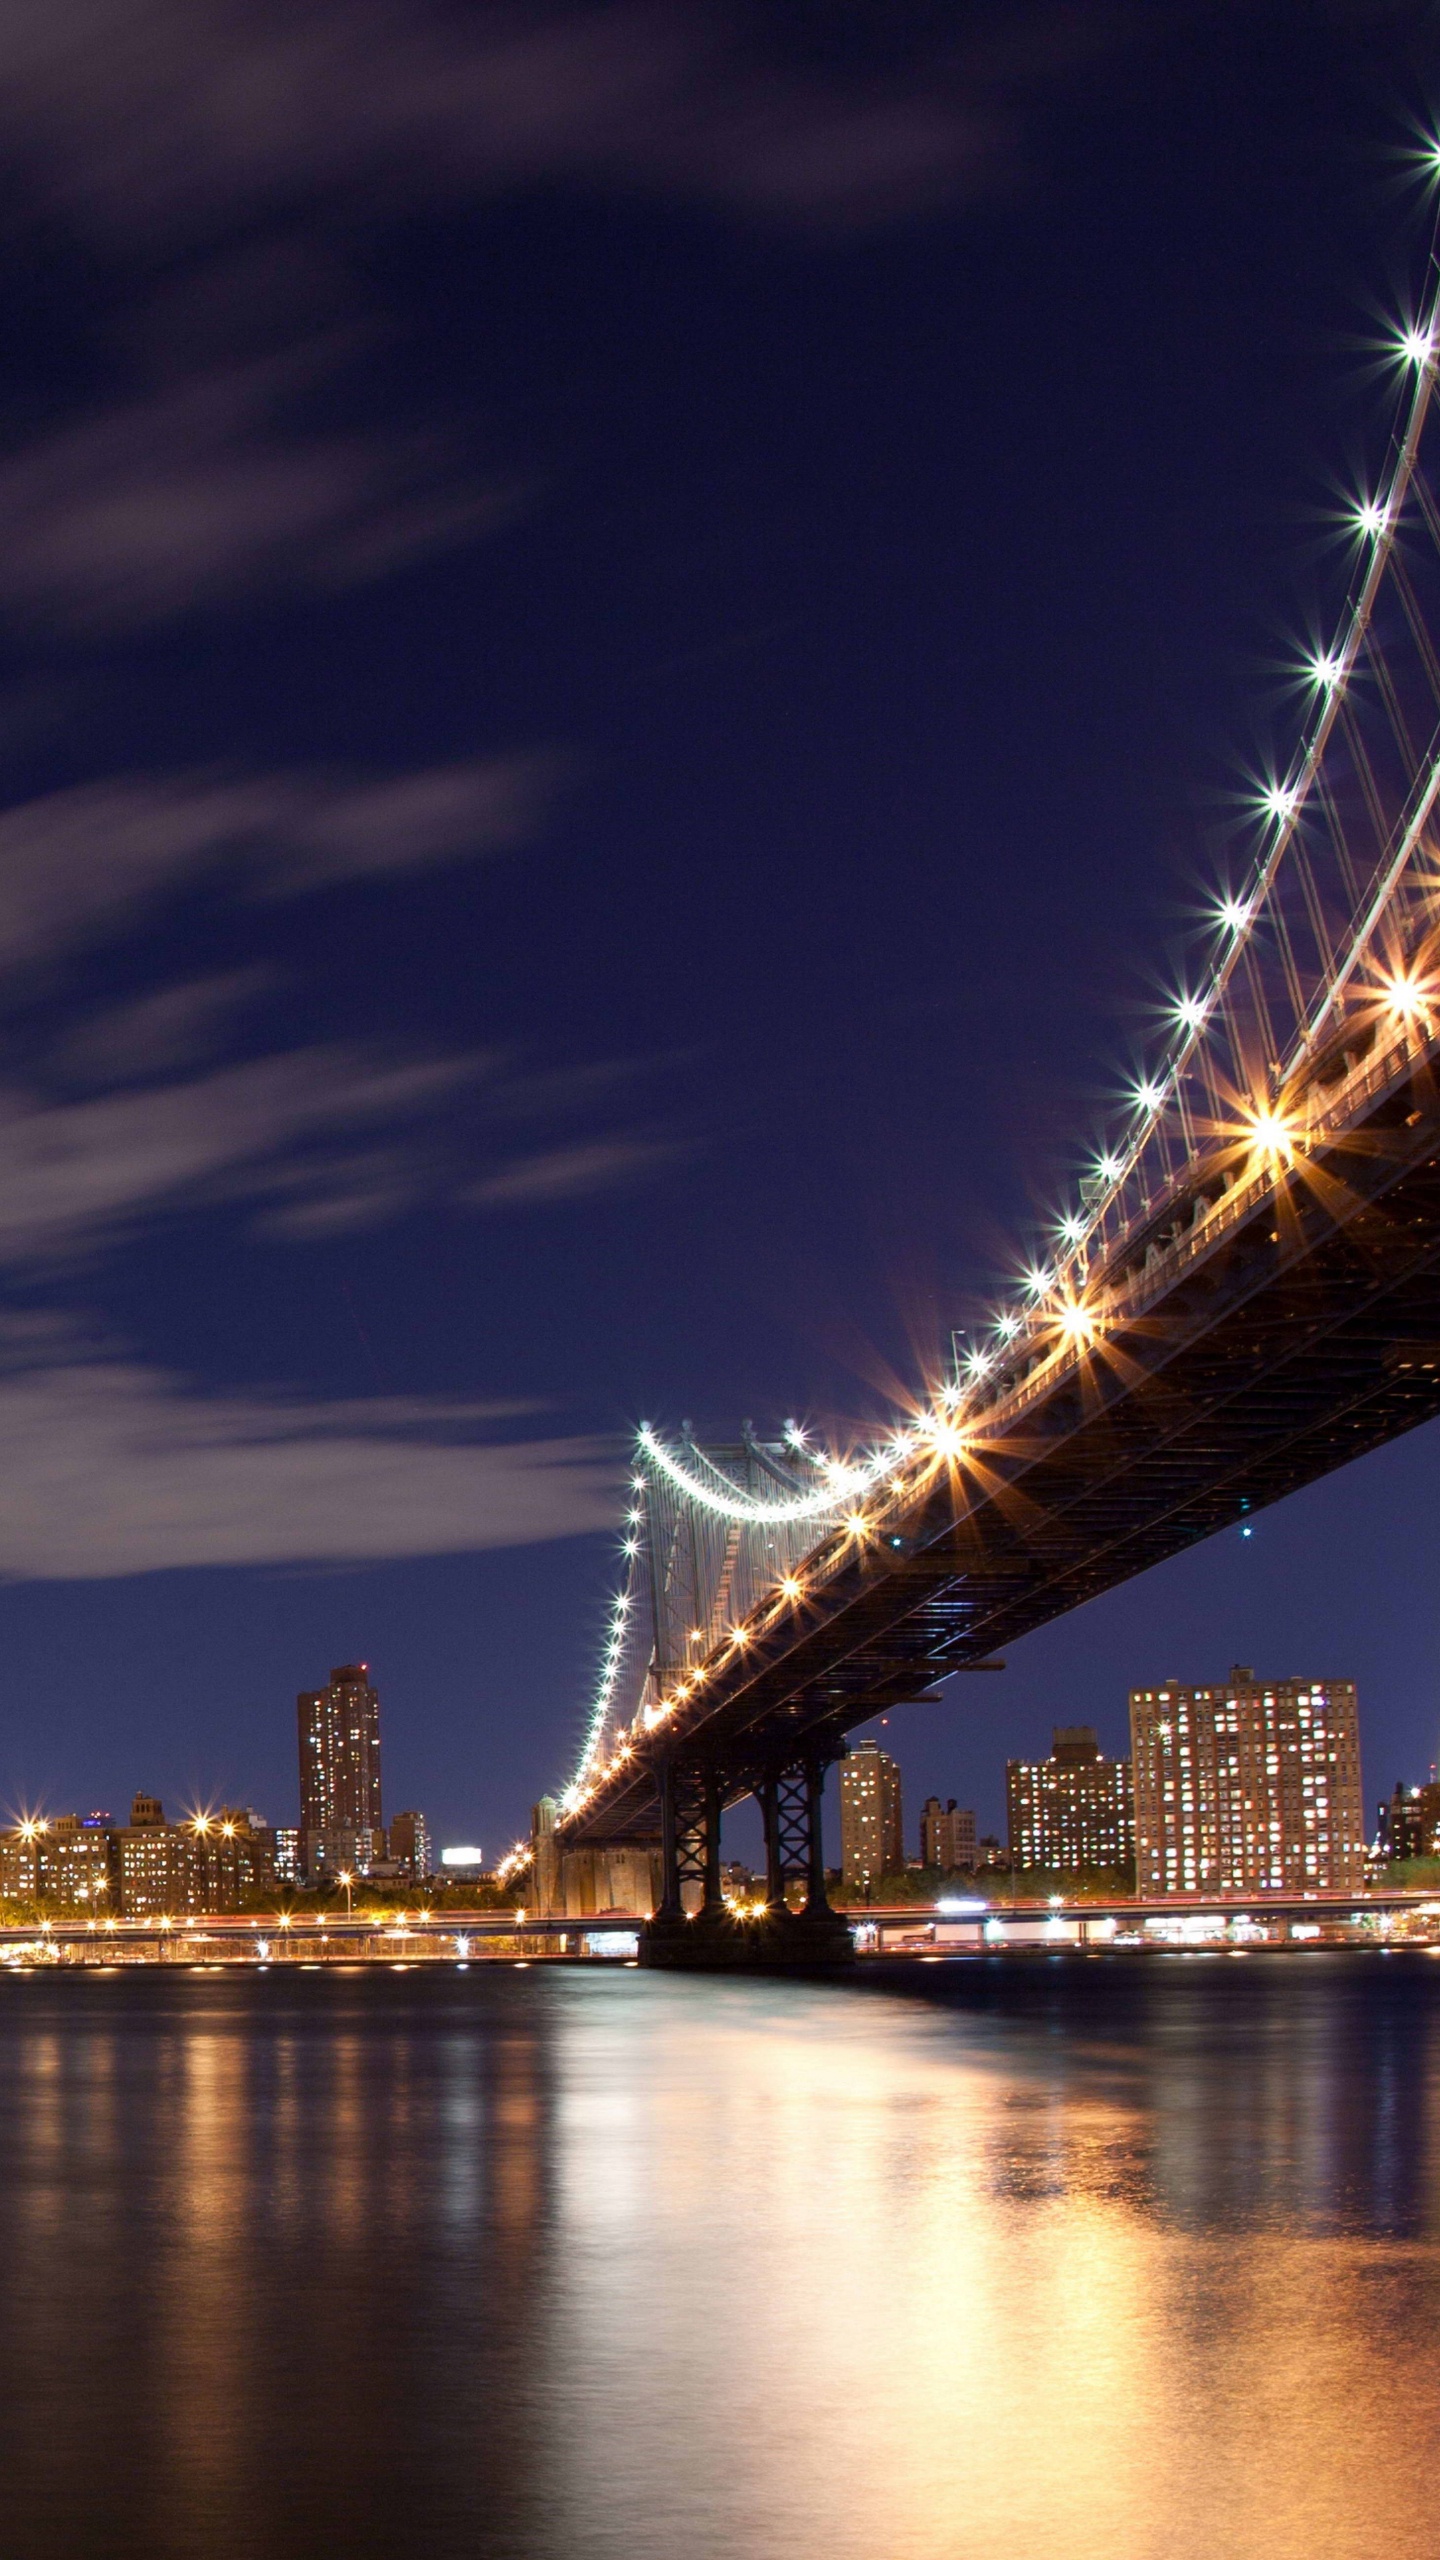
(1243,1295)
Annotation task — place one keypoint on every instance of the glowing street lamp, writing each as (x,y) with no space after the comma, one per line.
(348,1881)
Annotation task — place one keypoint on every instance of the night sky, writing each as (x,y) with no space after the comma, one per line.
(628,641)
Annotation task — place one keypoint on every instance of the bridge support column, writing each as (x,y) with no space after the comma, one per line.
(810,1938)
(817,1900)
(670,1906)
(712,1905)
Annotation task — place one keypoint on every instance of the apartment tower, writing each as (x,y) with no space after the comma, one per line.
(340,1817)
(1247,1786)
(872,1840)
(1072,1810)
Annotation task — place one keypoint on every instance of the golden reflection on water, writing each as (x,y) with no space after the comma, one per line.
(1126,2266)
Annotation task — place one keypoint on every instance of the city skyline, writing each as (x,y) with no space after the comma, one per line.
(443,822)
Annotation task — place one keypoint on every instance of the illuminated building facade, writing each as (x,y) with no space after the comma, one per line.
(154,1863)
(872,1839)
(64,1860)
(1073,1810)
(142,1869)
(231,1859)
(341,1824)
(1248,1786)
(947,1835)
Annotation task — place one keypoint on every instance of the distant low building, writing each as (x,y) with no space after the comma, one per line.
(947,1835)
(1073,1810)
(63,1860)
(1410,1823)
(147,1868)
(409,1837)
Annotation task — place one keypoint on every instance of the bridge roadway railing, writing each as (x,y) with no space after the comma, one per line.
(1363,1087)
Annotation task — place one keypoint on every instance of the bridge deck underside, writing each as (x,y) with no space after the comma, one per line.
(1305,1337)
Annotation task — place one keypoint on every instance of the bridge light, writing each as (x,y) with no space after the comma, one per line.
(1280,800)
(1326,670)
(1417,346)
(1077,1323)
(945,1440)
(856,1523)
(1404,999)
(1108,1168)
(792,1587)
(1038,1280)
(1371,517)
(1272,1133)
(1149,1095)
(1072,1228)
(1235,913)
(978,1365)
(1007,1327)
(1191,1010)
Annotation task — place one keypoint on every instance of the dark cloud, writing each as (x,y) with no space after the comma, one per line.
(168,115)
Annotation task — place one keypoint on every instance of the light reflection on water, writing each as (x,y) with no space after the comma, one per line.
(1134,2258)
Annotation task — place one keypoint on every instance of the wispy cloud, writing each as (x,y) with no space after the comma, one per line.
(82,864)
(115,1468)
(572,1173)
(205,492)
(74,1175)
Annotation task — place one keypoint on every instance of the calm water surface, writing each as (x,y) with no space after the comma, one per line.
(1109,2260)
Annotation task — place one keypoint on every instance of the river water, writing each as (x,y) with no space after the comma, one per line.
(1108,2259)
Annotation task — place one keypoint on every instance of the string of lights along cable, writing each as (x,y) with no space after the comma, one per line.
(1321,962)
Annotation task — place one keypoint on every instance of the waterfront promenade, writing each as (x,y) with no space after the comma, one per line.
(950,1927)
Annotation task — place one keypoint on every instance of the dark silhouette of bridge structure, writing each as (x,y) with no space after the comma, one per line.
(1243,1295)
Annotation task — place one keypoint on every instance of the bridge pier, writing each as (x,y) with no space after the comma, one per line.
(714,1939)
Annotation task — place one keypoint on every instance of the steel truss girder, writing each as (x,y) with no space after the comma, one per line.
(1285,1352)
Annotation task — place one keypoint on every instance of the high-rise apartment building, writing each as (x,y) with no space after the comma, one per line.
(872,1840)
(947,1835)
(341,1825)
(1072,1810)
(1248,1786)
